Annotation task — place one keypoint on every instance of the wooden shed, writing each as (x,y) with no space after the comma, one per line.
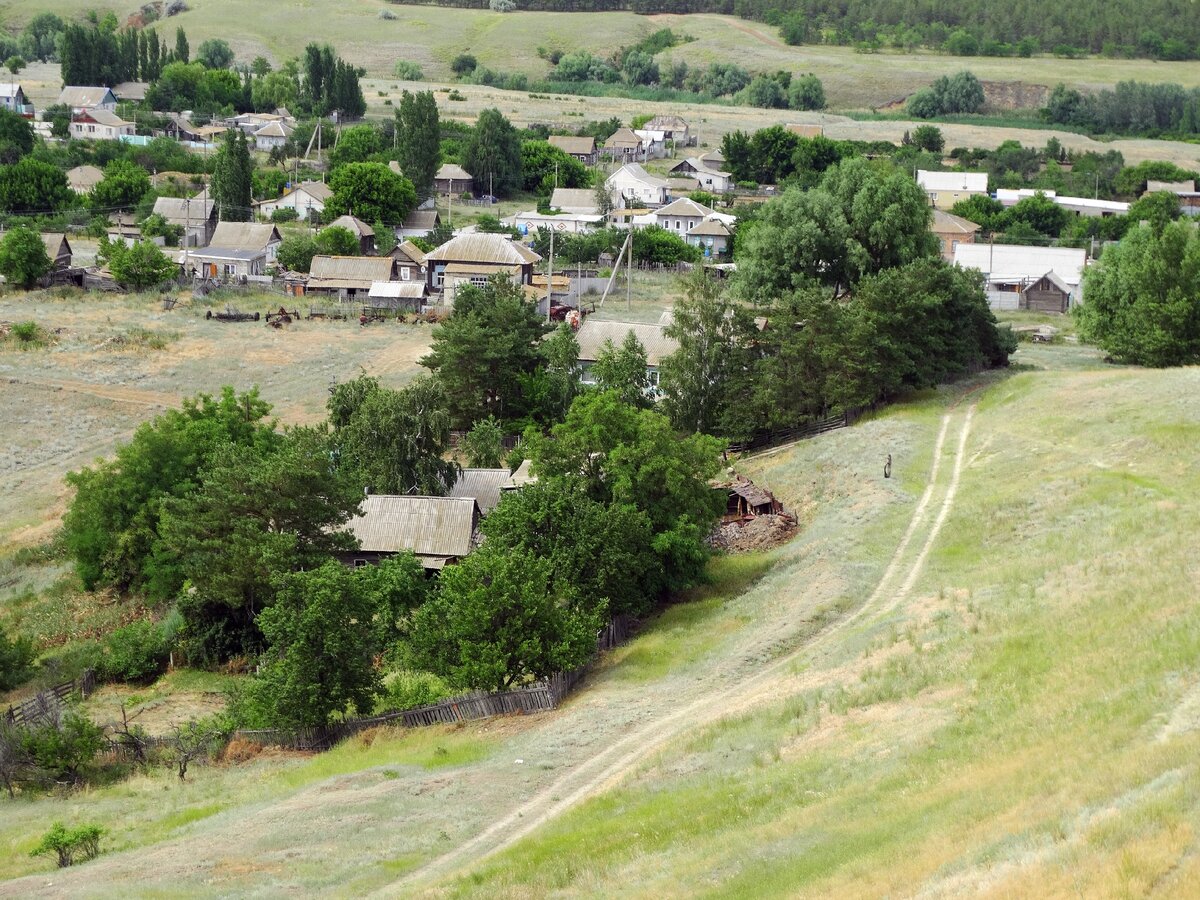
(1049,294)
(745,498)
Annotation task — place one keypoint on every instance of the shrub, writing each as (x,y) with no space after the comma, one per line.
(61,749)
(134,653)
(387,15)
(407,689)
(29,334)
(285,214)
(77,844)
(16,661)
(463,64)
(408,71)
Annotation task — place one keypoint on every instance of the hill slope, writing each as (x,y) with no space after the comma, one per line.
(979,673)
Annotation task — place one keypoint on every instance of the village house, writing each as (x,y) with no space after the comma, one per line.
(123,227)
(272,135)
(419,223)
(58,248)
(363,232)
(473,259)
(408,262)
(131,91)
(636,187)
(82,179)
(247,236)
(84,98)
(395,296)
(673,128)
(348,277)
(453,179)
(438,530)
(197,216)
(308,199)
(1047,279)
(581,148)
(707,177)
(1185,191)
(224,263)
(1081,206)
(180,128)
(12,98)
(484,486)
(712,236)
(682,215)
(99,125)
(251,122)
(593,334)
(944,189)
(654,143)
(575,200)
(952,230)
(622,145)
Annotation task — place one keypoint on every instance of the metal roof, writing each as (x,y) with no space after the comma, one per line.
(581,146)
(948,223)
(397,290)
(685,207)
(274,129)
(637,173)
(227,253)
(1016,262)
(696,164)
(355,226)
(710,227)
(82,97)
(580,200)
(428,526)
(83,178)
(451,171)
(482,485)
(480,269)
(181,211)
(593,333)
(407,250)
(480,247)
(623,137)
(953,181)
(101,116)
(244,235)
(349,271)
(421,219)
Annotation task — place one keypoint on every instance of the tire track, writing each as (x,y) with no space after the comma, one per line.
(609,767)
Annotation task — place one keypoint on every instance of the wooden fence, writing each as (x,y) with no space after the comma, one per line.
(809,429)
(47,702)
(537,697)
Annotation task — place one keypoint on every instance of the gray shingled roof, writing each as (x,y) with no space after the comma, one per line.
(349,271)
(581,146)
(357,227)
(428,526)
(82,97)
(593,333)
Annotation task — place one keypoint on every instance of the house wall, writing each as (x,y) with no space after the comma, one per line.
(950,240)
(90,131)
(946,199)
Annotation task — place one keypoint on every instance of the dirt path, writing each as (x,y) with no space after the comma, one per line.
(610,766)
(115,393)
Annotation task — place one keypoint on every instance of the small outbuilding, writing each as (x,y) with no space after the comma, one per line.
(439,530)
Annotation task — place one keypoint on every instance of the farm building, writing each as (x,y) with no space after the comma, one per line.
(395,296)
(221,263)
(58,248)
(745,498)
(623,145)
(944,189)
(593,334)
(484,486)
(707,176)
(453,179)
(439,530)
(1016,276)
(349,277)
(674,128)
(197,216)
(473,259)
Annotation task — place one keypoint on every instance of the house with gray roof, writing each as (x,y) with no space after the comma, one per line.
(247,236)
(87,97)
(593,336)
(453,179)
(348,277)
(197,216)
(12,98)
(363,232)
(581,148)
(473,259)
(636,187)
(438,530)
(82,179)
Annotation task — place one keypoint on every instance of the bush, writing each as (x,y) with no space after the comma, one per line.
(387,15)
(285,214)
(77,844)
(463,64)
(27,335)
(408,71)
(407,689)
(60,750)
(16,661)
(134,653)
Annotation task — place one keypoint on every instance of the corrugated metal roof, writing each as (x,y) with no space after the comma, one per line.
(83,178)
(428,526)
(82,97)
(102,116)
(593,333)
(581,200)
(948,223)
(244,235)
(357,227)
(623,137)
(710,227)
(274,129)
(581,146)
(1014,261)
(480,269)
(397,290)
(410,251)
(481,247)
(953,181)
(354,271)
(179,211)
(482,485)
(422,219)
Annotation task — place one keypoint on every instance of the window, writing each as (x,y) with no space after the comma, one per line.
(953,246)
(439,277)
(359,563)
(230,269)
(405,273)
(677,225)
(653,377)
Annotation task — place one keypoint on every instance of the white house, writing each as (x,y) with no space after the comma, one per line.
(566,223)
(682,215)
(636,187)
(272,135)
(593,334)
(947,188)
(654,143)
(711,236)
(1013,272)
(81,98)
(306,198)
(707,176)
(99,124)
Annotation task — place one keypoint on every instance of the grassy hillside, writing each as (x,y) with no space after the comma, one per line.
(433,36)
(978,674)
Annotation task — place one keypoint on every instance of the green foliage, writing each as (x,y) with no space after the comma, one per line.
(418,147)
(764,91)
(16,660)
(1132,107)
(948,95)
(296,252)
(484,354)
(358,143)
(136,653)
(330,83)
(336,241)
(1143,298)
(1157,209)
(806,92)
(232,182)
(284,214)
(407,689)
(23,257)
(32,186)
(139,265)
(928,137)
(371,192)
(16,136)
(385,238)
(408,71)
(499,620)
(463,64)
(70,845)
(655,244)
(320,658)
(59,750)
(543,167)
(492,154)
(389,441)
(111,527)
(623,371)
(215,53)
(124,185)
(484,444)
(259,513)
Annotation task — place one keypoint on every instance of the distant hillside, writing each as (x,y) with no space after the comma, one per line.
(1156,29)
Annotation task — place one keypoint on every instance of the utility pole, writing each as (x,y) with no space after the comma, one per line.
(629,273)
(550,276)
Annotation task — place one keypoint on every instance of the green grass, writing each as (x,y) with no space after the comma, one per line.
(1013,725)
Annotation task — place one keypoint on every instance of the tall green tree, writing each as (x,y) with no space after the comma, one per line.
(492,154)
(371,192)
(124,185)
(623,370)
(33,186)
(16,137)
(1143,298)
(418,144)
(182,51)
(139,265)
(392,442)
(233,178)
(481,353)
(23,257)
